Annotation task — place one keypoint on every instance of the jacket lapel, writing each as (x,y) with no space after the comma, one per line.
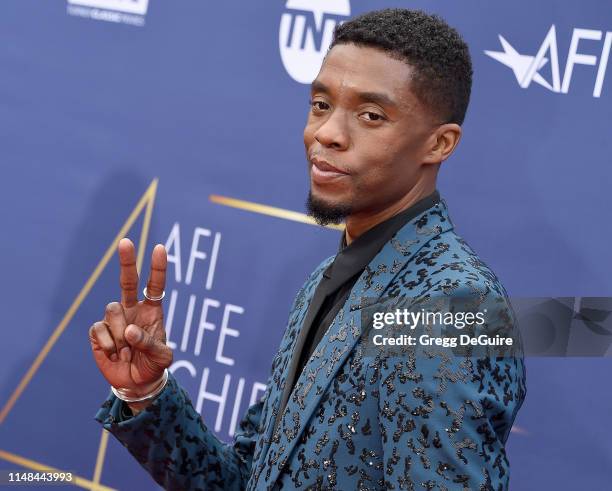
(280,365)
(313,307)
(341,336)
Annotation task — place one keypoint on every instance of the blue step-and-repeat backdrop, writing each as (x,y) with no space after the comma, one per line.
(181,122)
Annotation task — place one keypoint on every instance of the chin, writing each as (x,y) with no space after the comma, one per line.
(326,210)
(327,196)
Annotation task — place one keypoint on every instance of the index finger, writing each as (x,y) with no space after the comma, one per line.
(128,278)
(157,277)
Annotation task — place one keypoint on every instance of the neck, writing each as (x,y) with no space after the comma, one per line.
(359,223)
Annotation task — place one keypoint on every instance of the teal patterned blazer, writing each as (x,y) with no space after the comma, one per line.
(354,421)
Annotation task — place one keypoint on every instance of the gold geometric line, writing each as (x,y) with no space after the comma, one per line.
(519,429)
(101,456)
(31,464)
(75,305)
(144,233)
(269,210)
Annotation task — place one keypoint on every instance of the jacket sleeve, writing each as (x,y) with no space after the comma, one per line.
(170,440)
(445,418)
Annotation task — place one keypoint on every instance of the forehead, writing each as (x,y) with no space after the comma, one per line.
(349,69)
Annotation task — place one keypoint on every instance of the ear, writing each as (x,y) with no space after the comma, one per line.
(443,142)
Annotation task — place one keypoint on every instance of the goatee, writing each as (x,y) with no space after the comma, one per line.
(325,213)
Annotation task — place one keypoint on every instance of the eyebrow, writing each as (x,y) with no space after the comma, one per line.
(375,97)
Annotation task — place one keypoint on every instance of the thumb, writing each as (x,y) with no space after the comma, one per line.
(142,341)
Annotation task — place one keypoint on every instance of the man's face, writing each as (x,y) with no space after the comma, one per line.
(366,133)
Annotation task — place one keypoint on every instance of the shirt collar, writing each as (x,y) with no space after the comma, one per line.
(353,258)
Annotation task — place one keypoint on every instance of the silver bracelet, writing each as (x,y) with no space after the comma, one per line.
(121,393)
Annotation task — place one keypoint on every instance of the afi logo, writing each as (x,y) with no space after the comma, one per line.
(526,68)
(305,34)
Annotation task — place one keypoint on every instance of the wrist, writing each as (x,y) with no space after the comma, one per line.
(137,407)
(143,390)
(142,393)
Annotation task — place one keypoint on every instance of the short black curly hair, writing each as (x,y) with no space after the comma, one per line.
(437,52)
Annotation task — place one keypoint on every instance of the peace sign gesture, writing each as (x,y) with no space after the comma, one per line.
(129,344)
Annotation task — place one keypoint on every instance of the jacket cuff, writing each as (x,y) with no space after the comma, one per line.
(115,413)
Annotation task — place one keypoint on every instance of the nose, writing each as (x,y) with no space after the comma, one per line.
(333,132)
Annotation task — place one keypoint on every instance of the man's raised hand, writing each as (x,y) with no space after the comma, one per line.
(129,344)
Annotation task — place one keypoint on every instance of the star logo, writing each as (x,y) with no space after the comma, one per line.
(525,67)
(520,64)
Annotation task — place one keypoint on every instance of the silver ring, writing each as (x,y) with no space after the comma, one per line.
(153,299)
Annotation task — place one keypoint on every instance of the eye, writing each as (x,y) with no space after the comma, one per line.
(319,106)
(372,116)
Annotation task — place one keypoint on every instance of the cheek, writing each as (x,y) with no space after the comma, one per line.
(385,168)
(378,157)
(309,132)
(307,135)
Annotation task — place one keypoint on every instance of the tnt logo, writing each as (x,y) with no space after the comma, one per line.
(527,68)
(305,33)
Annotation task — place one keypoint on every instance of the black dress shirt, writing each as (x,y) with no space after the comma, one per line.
(342,274)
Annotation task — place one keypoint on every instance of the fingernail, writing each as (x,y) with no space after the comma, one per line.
(125,354)
(113,357)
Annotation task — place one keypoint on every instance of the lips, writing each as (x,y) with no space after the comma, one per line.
(323,172)
(325,166)
(322,175)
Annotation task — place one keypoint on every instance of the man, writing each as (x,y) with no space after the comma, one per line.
(338,413)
